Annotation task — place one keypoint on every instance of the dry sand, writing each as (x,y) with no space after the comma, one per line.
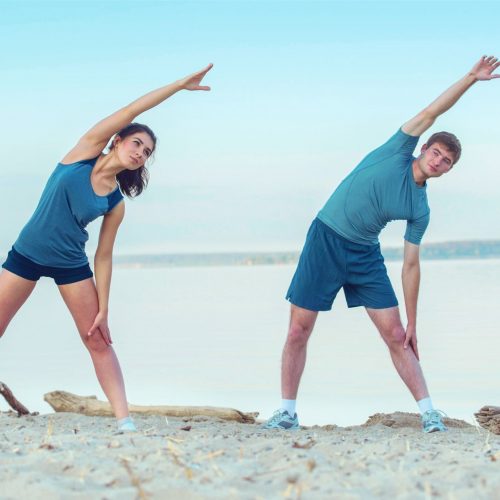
(71,456)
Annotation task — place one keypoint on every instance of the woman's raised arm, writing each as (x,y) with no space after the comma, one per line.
(95,140)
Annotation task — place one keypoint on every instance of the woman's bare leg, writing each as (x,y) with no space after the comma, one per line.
(14,291)
(82,302)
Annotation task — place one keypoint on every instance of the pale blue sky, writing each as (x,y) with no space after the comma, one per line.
(301,92)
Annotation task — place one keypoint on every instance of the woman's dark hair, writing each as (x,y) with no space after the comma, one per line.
(133,182)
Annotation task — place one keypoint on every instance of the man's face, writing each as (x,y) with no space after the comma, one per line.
(435,160)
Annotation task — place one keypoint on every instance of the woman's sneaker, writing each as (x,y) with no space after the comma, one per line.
(126,425)
(281,419)
(432,421)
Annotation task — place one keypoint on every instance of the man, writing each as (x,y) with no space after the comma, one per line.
(342,249)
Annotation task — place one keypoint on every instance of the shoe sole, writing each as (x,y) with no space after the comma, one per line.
(435,429)
(280,428)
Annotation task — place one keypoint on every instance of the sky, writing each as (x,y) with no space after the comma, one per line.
(301,92)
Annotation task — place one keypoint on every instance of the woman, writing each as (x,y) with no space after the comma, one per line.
(85,185)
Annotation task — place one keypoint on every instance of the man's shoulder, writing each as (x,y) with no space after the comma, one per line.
(400,138)
(400,146)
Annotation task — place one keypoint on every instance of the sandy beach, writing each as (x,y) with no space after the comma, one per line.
(65,455)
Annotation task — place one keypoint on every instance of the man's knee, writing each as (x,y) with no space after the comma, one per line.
(299,333)
(394,336)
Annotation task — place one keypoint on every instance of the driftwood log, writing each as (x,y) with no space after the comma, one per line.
(489,418)
(91,406)
(13,402)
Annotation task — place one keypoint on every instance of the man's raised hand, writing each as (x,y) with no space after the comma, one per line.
(484,68)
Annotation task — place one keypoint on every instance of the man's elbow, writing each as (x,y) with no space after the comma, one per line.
(428,116)
(411,265)
(103,256)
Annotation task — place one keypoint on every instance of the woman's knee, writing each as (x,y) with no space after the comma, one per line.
(95,343)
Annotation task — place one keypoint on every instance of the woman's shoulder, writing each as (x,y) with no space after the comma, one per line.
(68,161)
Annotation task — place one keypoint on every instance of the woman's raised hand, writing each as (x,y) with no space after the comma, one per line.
(192,82)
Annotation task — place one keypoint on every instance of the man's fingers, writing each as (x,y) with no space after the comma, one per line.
(415,348)
(407,340)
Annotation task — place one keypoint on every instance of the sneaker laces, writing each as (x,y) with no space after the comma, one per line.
(277,416)
(434,416)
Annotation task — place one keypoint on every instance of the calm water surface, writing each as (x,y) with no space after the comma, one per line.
(213,336)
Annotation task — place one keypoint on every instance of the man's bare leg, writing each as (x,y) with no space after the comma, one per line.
(388,323)
(295,350)
(292,366)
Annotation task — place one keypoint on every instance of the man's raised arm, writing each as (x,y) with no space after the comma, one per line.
(482,70)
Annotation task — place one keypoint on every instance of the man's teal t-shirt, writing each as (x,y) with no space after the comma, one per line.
(380,189)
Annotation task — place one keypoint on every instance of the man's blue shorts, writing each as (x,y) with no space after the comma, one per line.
(329,262)
(25,268)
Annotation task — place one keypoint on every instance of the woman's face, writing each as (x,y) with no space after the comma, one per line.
(134,150)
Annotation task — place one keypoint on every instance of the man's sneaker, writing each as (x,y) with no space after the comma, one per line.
(431,421)
(281,419)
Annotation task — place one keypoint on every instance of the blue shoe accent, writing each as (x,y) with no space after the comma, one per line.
(281,419)
(126,425)
(432,421)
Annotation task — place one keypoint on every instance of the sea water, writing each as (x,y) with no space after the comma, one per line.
(214,335)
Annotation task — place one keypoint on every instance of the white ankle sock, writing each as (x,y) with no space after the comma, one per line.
(425,405)
(289,406)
